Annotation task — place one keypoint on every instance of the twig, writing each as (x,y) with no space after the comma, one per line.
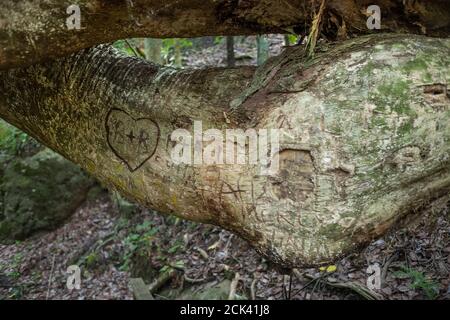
(203,253)
(227,245)
(93,246)
(50,279)
(233,287)
(287,292)
(253,289)
(315,29)
(386,266)
(300,277)
(192,280)
(316,283)
(134,49)
(354,286)
(290,286)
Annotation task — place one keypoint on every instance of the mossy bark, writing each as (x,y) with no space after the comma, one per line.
(364,136)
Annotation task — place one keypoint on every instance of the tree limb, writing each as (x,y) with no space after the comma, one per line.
(363,137)
(34,31)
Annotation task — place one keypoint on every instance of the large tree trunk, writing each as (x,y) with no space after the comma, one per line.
(364,137)
(31,31)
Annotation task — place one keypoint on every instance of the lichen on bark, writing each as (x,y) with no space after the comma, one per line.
(364,136)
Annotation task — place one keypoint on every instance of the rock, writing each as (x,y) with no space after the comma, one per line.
(207,291)
(38,193)
(380,243)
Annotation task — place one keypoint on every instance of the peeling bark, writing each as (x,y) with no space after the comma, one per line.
(32,31)
(364,136)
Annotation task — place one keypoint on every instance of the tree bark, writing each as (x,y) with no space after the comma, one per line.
(363,128)
(33,31)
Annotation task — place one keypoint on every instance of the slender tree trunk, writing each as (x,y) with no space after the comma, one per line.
(230,52)
(287,42)
(152,48)
(363,137)
(262,46)
(177,54)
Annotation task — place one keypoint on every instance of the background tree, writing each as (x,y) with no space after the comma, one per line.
(230,52)
(152,49)
(262,47)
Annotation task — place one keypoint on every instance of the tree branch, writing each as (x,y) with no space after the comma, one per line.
(33,31)
(364,137)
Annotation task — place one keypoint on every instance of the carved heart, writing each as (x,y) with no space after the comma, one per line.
(134,141)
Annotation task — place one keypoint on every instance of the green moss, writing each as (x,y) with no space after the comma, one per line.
(379,122)
(406,128)
(395,94)
(332,231)
(39,192)
(368,69)
(418,64)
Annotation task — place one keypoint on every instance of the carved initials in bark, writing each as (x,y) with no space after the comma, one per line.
(134,141)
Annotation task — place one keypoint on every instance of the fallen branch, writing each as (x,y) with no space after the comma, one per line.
(50,279)
(233,287)
(162,279)
(192,280)
(352,285)
(140,289)
(92,246)
(386,266)
(253,289)
(203,253)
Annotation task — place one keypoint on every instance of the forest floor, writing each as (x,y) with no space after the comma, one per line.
(111,248)
(112,244)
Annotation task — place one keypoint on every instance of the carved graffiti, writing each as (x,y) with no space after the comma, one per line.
(132,140)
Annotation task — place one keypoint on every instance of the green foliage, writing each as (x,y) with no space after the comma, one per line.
(169,44)
(419,281)
(91,259)
(171,48)
(139,241)
(127,46)
(16,291)
(175,247)
(15,266)
(11,139)
(293,38)
(218,40)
